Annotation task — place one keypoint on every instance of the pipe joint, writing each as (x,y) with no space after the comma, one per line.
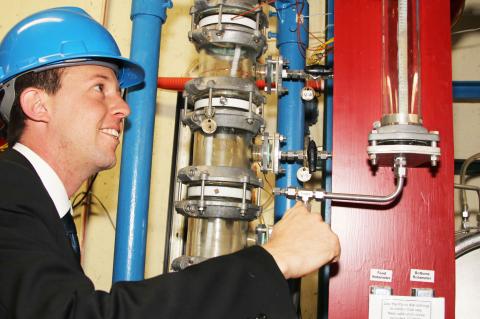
(153,8)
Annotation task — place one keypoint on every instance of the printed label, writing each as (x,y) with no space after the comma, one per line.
(383,275)
(404,307)
(422,275)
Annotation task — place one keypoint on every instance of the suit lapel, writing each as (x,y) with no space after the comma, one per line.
(43,204)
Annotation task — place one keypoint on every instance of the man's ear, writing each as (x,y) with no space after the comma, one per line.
(33,103)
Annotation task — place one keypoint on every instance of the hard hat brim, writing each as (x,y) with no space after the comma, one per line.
(130,73)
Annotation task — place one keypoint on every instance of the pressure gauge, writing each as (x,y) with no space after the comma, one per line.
(307,93)
(303,174)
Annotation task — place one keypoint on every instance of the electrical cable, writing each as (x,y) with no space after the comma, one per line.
(253,9)
(101,204)
(105,210)
(75,204)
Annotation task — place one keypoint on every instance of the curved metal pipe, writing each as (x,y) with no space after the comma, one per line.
(466,244)
(466,212)
(368,198)
(306,195)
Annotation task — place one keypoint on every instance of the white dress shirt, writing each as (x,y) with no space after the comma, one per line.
(50,179)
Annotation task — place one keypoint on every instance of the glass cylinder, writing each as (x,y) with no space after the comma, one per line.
(228,61)
(401,99)
(227,147)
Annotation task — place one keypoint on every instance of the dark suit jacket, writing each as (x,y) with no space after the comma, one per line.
(40,277)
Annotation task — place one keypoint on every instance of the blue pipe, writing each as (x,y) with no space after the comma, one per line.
(290,111)
(328,115)
(466,91)
(148,17)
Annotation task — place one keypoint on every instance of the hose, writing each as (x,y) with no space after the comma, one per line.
(178,83)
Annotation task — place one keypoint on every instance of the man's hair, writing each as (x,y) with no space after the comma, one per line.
(48,80)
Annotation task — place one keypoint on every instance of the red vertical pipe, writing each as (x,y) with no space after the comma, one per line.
(418,230)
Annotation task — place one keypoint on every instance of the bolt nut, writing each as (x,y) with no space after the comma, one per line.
(291,191)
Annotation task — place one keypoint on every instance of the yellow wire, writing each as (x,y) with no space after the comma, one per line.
(315,59)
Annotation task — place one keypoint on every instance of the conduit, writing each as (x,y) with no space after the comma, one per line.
(178,83)
(148,17)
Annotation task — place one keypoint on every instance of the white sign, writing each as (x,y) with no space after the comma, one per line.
(405,307)
(422,275)
(384,275)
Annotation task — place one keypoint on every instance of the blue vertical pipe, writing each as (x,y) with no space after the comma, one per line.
(324,273)
(290,113)
(328,114)
(148,17)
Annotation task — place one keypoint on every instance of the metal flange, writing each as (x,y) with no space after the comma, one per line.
(413,142)
(218,209)
(218,174)
(225,24)
(231,118)
(220,86)
(229,35)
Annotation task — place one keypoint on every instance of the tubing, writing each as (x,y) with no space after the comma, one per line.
(178,84)
(291,114)
(356,198)
(148,17)
(469,188)
(306,195)
(466,244)
(463,173)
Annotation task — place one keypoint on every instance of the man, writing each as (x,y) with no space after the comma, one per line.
(61,75)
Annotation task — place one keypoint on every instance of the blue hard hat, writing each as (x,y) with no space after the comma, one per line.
(58,35)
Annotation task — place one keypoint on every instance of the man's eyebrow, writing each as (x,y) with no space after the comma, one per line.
(105,77)
(102,76)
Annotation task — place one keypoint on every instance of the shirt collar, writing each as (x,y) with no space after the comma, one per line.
(50,179)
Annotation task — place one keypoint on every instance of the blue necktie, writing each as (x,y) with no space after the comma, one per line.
(71,232)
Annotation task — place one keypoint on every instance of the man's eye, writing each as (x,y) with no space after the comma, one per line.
(98,87)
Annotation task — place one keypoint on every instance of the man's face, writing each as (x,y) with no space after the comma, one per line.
(87,115)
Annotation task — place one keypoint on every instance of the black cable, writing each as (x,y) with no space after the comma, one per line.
(105,210)
(87,191)
(101,204)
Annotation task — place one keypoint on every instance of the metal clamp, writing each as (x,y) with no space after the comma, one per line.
(273,75)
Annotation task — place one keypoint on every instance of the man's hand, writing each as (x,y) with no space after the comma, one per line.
(301,242)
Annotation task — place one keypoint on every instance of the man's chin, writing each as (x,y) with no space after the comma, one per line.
(105,165)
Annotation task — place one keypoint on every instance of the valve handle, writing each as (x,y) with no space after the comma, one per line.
(312,156)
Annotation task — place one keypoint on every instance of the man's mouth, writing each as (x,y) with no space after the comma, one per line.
(110,131)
